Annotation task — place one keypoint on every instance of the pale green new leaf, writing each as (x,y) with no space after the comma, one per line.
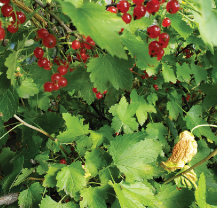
(108,70)
(48,202)
(93,20)
(31,196)
(75,128)
(141,24)
(27,88)
(133,155)
(93,197)
(71,178)
(9,103)
(123,116)
(168,73)
(200,193)
(136,195)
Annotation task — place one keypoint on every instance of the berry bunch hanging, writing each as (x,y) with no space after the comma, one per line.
(99,95)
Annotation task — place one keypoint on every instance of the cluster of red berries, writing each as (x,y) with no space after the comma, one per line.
(187,98)
(18,18)
(188,53)
(48,40)
(99,95)
(82,46)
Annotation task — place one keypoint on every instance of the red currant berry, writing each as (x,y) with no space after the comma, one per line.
(143,77)
(56,60)
(123,6)
(166,22)
(94,90)
(63,161)
(188,56)
(62,70)
(76,44)
(49,41)
(122,29)
(173,6)
(160,54)
(126,18)
(6,10)
(2,33)
(55,77)
(38,52)
(188,97)
(42,32)
(154,46)
(21,17)
(42,62)
(99,95)
(47,66)
(5,1)
(138,1)
(155,87)
(56,87)
(164,45)
(155,78)
(82,50)
(139,11)
(62,82)
(13,28)
(186,51)
(105,92)
(112,9)
(89,44)
(164,38)
(83,56)
(67,200)
(152,7)
(153,31)
(48,86)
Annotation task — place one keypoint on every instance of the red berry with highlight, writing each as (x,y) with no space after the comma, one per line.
(166,22)
(173,6)
(126,18)
(63,161)
(156,87)
(152,7)
(123,6)
(6,10)
(62,82)
(42,32)
(38,52)
(153,31)
(21,17)
(112,9)
(76,44)
(42,62)
(139,11)
(56,87)
(13,28)
(48,86)
(62,70)
(94,90)
(5,1)
(47,66)
(49,41)
(55,77)
(99,95)
(164,38)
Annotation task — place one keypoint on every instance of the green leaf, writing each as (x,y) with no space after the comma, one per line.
(50,177)
(171,197)
(168,73)
(107,70)
(9,103)
(4,82)
(75,128)
(22,177)
(135,195)
(200,73)
(93,197)
(125,150)
(142,23)
(180,25)
(183,72)
(31,196)
(123,113)
(174,109)
(71,178)
(27,88)
(143,107)
(93,20)
(49,202)
(2,132)
(5,157)
(139,49)
(11,63)
(194,118)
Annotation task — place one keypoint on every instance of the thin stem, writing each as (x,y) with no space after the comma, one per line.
(39,130)
(35,179)
(194,166)
(11,130)
(202,126)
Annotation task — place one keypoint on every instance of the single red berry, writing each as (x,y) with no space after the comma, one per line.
(76,44)
(188,56)
(13,28)
(188,97)
(63,161)
(38,52)
(155,78)
(178,81)
(5,1)
(83,56)
(48,86)
(156,87)
(173,6)
(164,44)
(62,70)
(42,32)
(55,78)
(105,92)
(2,33)
(99,95)
(56,60)
(160,54)
(71,70)
(126,18)
(6,10)
(82,50)
(143,77)
(146,75)
(122,29)
(47,65)
(21,17)
(138,1)
(72,148)
(42,62)
(131,69)
(67,200)
(153,31)
(153,47)
(94,90)
(62,82)
(139,11)
(123,6)
(166,22)
(164,37)
(112,9)
(56,87)
(49,41)
(152,7)
(89,44)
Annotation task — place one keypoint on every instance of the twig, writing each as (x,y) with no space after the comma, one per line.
(184,49)
(37,129)
(9,199)
(194,166)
